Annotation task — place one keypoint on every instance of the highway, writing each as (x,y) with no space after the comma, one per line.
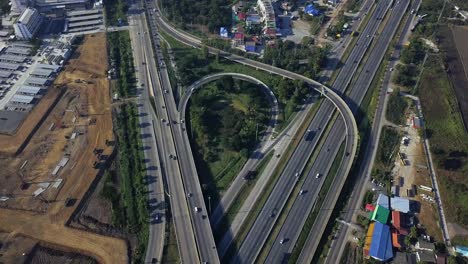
(189,189)
(337,101)
(156,195)
(258,234)
(179,207)
(280,145)
(371,150)
(355,98)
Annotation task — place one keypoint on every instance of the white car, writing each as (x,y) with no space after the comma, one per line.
(317,176)
(197,209)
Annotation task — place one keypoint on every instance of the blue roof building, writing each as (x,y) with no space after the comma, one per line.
(223,32)
(311,10)
(381,247)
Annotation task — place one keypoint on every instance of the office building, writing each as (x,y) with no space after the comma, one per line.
(28,24)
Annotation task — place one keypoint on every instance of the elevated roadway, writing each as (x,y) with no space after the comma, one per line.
(189,189)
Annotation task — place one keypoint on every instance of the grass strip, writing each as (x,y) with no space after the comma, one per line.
(231,213)
(170,251)
(253,214)
(316,210)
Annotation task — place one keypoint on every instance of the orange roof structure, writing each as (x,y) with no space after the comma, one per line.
(368,241)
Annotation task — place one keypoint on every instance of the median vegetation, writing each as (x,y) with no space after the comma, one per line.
(125,186)
(121,61)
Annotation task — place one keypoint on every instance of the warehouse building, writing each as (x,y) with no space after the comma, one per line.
(5,66)
(37,82)
(29,90)
(381,245)
(12,58)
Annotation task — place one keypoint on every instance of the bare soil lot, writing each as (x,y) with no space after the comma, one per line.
(82,126)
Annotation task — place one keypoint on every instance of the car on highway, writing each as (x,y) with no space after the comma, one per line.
(297,174)
(189,194)
(282,241)
(317,176)
(197,209)
(301,192)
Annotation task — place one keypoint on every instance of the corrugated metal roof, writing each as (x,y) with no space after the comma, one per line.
(24,99)
(9,66)
(81,18)
(48,66)
(380,214)
(84,23)
(400,204)
(383,200)
(29,90)
(18,50)
(368,241)
(82,12)
(15,58)
(38,81)
(381,246)
(5,74)
(42,72)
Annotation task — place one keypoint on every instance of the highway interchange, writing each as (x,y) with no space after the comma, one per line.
(193,230)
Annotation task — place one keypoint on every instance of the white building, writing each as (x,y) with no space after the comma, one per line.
(28,24)
(268,16)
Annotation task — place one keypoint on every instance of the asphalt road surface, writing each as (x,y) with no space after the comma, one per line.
(340,241)
(258,234)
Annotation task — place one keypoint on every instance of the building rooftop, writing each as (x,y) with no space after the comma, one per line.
(29,90)
(5,74)
(42,72)
(383,200)
(24,99)
(380,214)
(48,66)
(381,247)
(14,58)
(400,204)
(26,15)
(9,66)
(368,241)
(81,18)
(84,23)
(83,12)
(36,81)
(18,50)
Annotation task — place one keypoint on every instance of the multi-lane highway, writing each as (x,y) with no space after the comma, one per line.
(360,46)
(357,94)
(156,195)
(188,191)
(258,234)
(169,166)
(365,169)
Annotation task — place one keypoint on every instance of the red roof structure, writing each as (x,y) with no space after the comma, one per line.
(239,36)
(370,207)
(399,222)
(241,15)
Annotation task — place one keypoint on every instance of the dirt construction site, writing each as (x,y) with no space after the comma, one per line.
(54,161)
